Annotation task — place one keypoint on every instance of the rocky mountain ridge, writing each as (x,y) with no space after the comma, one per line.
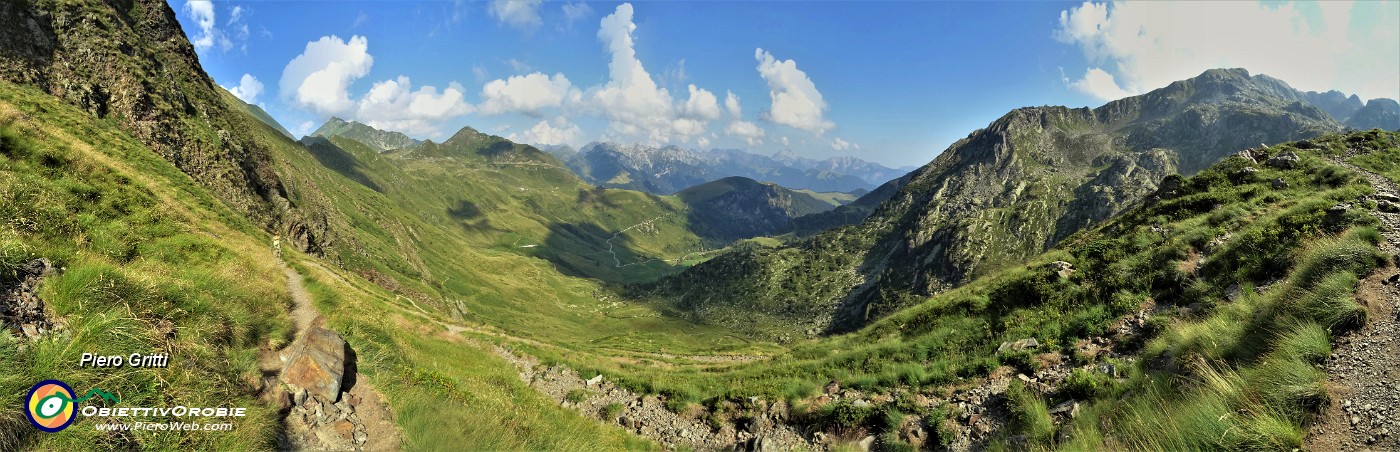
(381,140)
(1011,190)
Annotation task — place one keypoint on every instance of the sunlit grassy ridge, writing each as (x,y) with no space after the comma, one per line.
(447,393)
(150,262)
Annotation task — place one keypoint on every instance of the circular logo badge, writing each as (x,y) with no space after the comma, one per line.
(50,406)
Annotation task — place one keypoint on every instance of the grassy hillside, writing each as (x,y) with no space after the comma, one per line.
(1227,268)
(833,198)
(149,262)
(735,208)
(153,262)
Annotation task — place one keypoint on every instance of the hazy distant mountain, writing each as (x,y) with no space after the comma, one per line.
(1348,110)
(873,173)
(670,169)
(563,152)
(1378,113)
(380,140)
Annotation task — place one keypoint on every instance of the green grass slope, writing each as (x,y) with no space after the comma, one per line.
(151,263)
(1202,360)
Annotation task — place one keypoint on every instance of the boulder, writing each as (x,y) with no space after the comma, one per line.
(1287,160)
(316,362)
(596,380)
(344,429)
(1068,408)
(833,387)
(1388,207)
(1279,183)
(1023,344)
(1233,292)
(1246,173)
(1064,269)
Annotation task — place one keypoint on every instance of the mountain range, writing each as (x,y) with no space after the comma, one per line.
(1350,111)
(669,169)
(1008,191)
(1175,270)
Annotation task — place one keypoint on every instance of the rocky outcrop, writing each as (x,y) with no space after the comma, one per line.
(766,426)
(21,310)
(319,423)
(316,363)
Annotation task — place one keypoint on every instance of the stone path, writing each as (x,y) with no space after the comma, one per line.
(1363,372)
(356,418)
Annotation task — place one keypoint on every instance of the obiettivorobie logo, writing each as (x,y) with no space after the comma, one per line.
(51,406)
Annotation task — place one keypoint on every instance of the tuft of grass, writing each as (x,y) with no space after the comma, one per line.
(1029,415)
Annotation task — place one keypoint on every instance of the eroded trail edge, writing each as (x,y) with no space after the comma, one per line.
(1363,372)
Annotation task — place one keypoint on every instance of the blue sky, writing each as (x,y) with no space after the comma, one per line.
(892,82)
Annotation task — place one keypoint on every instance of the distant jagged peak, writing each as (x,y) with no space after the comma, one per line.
(467,134)
(380,140)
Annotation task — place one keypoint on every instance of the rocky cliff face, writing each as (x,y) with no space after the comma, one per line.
(129,61)
(1011,190)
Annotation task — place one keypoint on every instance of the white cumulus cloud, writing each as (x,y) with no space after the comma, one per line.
(545,133)
(202,11)
(631,100)
(210,35)
(843,145)
(796,101)
(702,104)
(750,132)
(318,80)
(1134,47)
(528,94)
(319,77)
(521,14)
(248,89)
(1100,84)
(395,105)
(731,103)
